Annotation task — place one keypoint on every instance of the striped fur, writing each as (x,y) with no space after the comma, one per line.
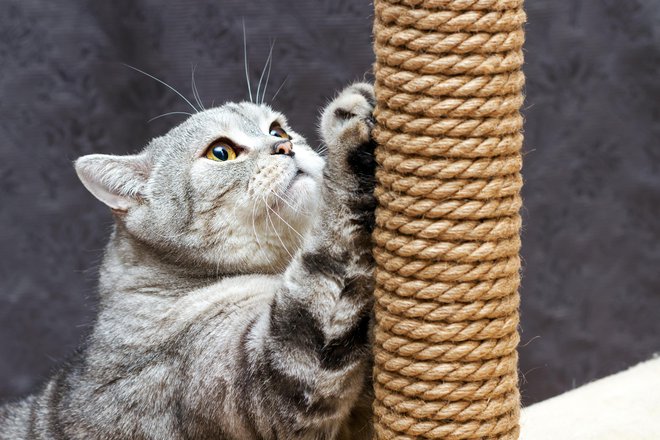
(206,332)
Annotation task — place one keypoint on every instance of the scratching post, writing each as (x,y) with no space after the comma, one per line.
(449,90)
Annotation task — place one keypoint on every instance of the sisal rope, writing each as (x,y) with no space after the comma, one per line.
(448,89)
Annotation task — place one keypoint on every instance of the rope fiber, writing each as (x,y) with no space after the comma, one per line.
(447,238)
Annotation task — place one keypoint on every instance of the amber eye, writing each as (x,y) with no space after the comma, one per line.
(221,151)
(277,131)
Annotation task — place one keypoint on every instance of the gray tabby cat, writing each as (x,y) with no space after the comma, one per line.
(235,290)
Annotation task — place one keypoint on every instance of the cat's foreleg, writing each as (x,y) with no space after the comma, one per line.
(316,354)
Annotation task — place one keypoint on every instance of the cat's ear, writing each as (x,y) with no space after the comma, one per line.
(117,181)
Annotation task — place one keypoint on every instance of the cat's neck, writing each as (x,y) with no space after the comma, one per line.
(131,266)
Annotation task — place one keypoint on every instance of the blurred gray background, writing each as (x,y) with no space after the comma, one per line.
(591,280)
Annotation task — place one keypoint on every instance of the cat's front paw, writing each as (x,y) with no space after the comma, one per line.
(346,126)
(348,119)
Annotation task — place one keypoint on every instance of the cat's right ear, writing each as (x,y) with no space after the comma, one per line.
(117,181)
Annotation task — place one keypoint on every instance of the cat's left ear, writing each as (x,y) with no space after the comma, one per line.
(117,181)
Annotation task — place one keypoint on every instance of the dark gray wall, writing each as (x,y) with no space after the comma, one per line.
(591,282)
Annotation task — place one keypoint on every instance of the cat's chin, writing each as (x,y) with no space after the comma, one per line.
(301,179)
(303,192)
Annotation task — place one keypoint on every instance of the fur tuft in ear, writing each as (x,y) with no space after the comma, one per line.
(117,181)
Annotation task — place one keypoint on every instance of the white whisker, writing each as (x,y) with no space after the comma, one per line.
(165,84)
(269,62)
(284,200)
(278,90)
(263,96)
(270,220)
(322,149)
(288,203)
(247,76)
(168,114)
(285,222)
(198,99)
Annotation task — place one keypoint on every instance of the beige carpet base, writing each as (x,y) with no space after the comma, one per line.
(624,406)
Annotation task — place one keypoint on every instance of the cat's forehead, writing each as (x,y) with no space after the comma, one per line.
(246,117)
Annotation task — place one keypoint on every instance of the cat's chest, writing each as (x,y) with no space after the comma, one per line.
(231,297)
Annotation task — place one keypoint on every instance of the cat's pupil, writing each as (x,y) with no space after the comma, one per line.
(221,153)
(275,133)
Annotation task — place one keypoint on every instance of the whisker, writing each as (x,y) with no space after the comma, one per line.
(245,61)
(168,114)
(278,90)
(285,222)
(283,199)
(270,263)
(163,83)
(263,71)
(269,63)
(322,149)
(263,97)
(198,99)
(270,220)
(288,203)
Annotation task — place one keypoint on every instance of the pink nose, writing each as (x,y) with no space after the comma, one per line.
(283,147)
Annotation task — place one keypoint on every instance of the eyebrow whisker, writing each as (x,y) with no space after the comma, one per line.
(163,83)
(280,88)
(168,114)
(263,71)
(198,98)
(245,62)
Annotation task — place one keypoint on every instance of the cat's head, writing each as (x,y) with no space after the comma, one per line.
(231,189)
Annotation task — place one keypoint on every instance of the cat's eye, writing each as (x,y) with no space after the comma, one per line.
(277,131)
(221,151)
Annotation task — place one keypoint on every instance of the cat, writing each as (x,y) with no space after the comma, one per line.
(236,288)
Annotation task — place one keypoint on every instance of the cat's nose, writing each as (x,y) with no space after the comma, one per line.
(283,147)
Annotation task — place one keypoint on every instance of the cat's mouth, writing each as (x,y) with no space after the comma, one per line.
(299,175)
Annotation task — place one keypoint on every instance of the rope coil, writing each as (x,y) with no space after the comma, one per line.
(447,238)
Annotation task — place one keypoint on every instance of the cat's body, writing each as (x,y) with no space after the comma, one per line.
(212,326)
